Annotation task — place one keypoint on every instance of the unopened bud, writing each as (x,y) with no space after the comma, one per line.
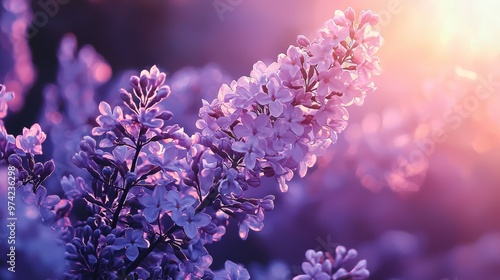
(38,169)
(134,81)
(48,167)
(165,115)
(303,41)
(163,92)
(15,160)
(350,14)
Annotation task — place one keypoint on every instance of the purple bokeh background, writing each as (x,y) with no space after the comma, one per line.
(436,219)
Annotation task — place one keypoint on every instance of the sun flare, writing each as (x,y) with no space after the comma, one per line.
(476,24)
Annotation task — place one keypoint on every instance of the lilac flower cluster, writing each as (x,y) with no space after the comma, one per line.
(146,208)
(324,266)
(287,113)
(20,152)
(154,197)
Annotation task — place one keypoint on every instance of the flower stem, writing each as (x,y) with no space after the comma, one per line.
(127,188)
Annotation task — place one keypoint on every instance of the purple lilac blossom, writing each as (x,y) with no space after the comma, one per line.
(324,266)
(132,241)
(297,82)
(142,153)
(162,195)
(18,153)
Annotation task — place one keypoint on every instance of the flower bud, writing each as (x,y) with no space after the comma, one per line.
(350,14)
(303,41)
(48,167)
(110,239)
(118,263)
(134,81)
(105,229)
(106,252)
(38,169)
(70,248)
(247,206)
(15,161)
(87,232)
(165,115)
(96,234)
(77,160)
(143,81)
(77,242)
(64,207)
(107,171)
(90,248)
(23,175)
(163,92)
(88,145)
(125,96)
(131,177)
(160,79)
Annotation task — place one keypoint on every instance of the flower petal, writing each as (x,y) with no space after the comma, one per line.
(190,230)
(50,200)
(141,243)
(137,234)
(132,253)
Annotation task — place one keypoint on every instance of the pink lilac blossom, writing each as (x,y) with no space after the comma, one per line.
(31,140)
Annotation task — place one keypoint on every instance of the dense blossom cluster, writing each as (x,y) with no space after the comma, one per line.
(287,113)
(154,197)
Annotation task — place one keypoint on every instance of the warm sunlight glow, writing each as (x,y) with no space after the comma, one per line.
(471,24)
